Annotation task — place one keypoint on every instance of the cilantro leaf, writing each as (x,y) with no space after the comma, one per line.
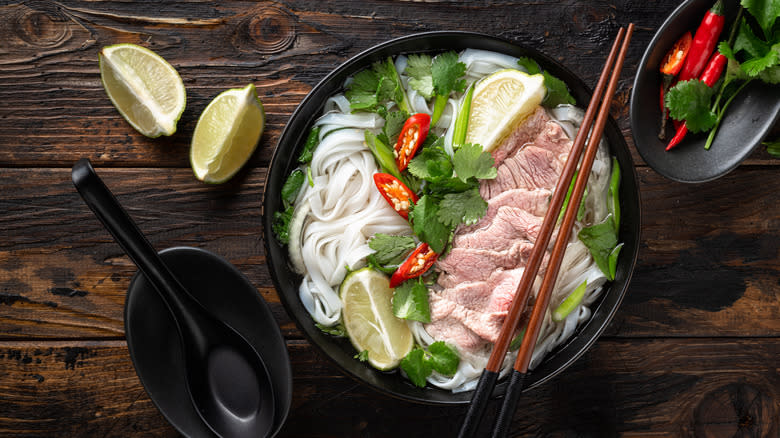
(394,121)
(771,75)
(690,101)
(281,225)
(557,92)
(447,71)
(337,330)
(416,367)
(755,66)
(361,92)
(531,66)
(410,301)
(426,224)
(601,239)
(391,250)
(765,12)
(362,356)
(466,207)
(444,358)
(418,67)
(431,164)
(748,41)
(292,186)
(471,161)
(308,148)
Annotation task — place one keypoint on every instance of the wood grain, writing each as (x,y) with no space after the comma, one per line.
(48,389)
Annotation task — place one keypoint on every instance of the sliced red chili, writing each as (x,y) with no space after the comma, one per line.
(674,59)
(395,192)
(418,262)
(413,134)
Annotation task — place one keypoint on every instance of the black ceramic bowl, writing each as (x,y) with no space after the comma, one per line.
(287,282)
(748,120)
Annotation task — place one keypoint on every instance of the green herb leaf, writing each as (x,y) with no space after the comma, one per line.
(765,12)
(371,88)
(690,101)
(771,75)
(362,356)
(416,367)
(281,225)
(431,164)
(531,66)
(391,250)
(292,186)
(394,121)
(426,224)
(444,358)
(466,207)
(557,92)
(471,161)
(773,147)
(337,330)
(311,143)
(755,66)
(447,71)
(418,67)
(747,41)
(362,91)
(410,301)
(601,239)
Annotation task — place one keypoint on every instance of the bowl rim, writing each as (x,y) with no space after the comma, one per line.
(293,134)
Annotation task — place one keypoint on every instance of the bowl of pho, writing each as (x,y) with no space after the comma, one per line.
(403,200)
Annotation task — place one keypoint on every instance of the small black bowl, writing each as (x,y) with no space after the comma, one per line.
(340,350)
(155,347)
(747,121)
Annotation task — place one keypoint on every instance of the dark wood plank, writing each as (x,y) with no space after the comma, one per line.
(48,389)
(707,265)
(53,109)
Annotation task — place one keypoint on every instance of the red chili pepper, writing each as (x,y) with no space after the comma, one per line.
(670,66)
(395,192)
(419,261)
(704,42)
(710,76)
(412,136)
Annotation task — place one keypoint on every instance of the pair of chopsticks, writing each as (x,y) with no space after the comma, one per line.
(599,110)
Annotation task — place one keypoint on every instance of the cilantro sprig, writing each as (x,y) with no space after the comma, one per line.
(373,87)
(450,194)
(437,76)
(419,363)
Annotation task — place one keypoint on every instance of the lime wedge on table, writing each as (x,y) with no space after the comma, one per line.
(500,102)
(146,90)
(369,320)
(227,134)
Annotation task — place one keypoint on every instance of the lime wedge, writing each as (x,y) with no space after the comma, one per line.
(369,320)
(146,90)
(500,102)
(227,134)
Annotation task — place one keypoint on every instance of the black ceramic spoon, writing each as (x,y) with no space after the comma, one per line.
(226,378)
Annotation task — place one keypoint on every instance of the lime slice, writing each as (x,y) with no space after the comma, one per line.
(146,90)
(369,320)
(227,134)
(500,102)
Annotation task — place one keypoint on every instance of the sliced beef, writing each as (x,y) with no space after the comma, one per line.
(531,168)
(525,132)
(535,202)
(463,265)
(509,225)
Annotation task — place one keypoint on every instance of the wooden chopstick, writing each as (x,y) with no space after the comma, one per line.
(517,380)
(490,374)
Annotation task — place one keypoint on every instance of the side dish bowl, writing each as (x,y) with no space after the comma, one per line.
(340,350)
(748,120)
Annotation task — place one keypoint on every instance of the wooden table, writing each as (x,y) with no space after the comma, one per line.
(692,351)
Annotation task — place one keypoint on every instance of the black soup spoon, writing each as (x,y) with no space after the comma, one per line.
(227,379)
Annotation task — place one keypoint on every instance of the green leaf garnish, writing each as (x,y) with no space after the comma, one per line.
(690,101)
(601,239)
(444,358)
(416,367)
(471,161)
(410,301)
(391,250)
